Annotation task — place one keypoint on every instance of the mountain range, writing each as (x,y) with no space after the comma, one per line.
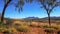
(34,19)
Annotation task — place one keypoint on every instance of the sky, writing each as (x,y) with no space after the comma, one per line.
(29,10)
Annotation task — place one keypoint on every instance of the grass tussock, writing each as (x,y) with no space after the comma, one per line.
(22,28)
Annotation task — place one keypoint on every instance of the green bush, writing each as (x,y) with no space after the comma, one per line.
(22,28)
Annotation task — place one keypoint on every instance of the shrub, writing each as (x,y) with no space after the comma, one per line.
(9,31)
(50,30)
(34,25)
(58,23)
(9,22)
(2,28)
(53,27)
(6,32)
(45,26)
(12,29)
(39,26)
(18,24)
(22,28)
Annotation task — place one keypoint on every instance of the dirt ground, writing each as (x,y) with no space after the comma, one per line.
(35,30)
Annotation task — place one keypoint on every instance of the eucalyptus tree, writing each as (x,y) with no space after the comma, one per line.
(18,4)
(49,5)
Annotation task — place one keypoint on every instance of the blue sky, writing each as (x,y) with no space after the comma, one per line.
(29,10)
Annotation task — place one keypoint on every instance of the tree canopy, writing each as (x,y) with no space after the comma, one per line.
(17,3)
(49,5)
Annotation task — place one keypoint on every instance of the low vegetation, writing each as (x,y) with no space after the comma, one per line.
(25,27)
(50,30)
(22,28)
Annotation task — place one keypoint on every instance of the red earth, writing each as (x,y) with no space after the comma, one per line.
(34,30)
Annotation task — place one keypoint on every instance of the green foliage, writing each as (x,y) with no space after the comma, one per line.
(21,3)
(30,1)
(22,28)
(6,1)
(49,5)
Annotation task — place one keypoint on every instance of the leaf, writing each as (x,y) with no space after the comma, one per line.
(58,3)
(21,2)
(20,9)
(29,1)
(5,1)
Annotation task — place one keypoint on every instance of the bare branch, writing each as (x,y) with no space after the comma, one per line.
(52,9)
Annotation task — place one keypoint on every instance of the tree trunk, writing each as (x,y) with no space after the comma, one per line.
(30,23)
(3,12)
(49,19)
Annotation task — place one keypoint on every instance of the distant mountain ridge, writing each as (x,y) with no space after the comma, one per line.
(31,18)
(53,18)
(34,18)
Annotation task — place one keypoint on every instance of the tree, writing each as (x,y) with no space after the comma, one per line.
(49,5)
(5,6)
(19,4)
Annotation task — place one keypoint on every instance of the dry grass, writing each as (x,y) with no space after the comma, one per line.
(24,26)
